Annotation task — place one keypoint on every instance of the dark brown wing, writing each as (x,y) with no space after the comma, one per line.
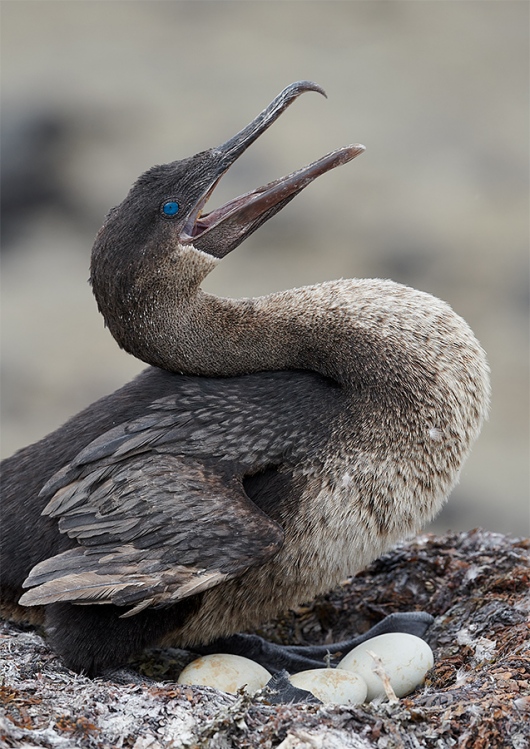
(152,529)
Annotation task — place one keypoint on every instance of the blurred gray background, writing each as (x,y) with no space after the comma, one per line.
(96,92)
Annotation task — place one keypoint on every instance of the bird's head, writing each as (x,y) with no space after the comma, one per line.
(156,247)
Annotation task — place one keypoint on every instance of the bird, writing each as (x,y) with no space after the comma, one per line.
(274,445)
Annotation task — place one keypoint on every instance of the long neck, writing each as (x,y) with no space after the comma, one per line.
(365,334)
(213,336)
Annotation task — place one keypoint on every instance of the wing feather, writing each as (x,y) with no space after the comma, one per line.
(150,529)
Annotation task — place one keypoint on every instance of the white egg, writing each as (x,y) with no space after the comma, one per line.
(330,685)
(225,672)
(405,658)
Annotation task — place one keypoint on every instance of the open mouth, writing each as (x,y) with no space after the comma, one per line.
(222,229)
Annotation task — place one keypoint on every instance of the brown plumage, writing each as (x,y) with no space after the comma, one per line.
(291,439)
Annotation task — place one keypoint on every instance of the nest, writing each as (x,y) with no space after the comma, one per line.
(477,696)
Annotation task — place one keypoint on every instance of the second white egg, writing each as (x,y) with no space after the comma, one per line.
(330,685)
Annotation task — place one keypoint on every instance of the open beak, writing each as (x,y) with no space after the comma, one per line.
(224,228)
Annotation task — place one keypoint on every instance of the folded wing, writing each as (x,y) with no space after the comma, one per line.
(152,528)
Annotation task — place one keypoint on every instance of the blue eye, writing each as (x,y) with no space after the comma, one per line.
(170,208)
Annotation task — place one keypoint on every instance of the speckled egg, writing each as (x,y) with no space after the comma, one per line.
(225,672)
(406,659)
(330,685)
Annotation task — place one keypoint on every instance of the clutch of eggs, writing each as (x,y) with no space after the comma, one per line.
(405,660)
